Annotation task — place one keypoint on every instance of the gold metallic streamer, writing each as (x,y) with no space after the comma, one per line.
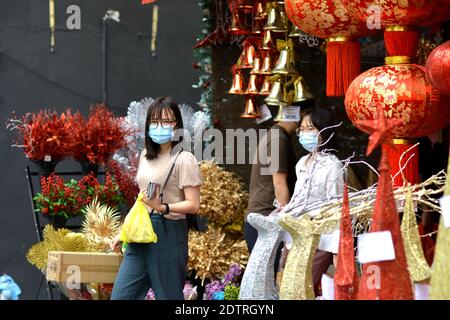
(154,30)
(418,267)
(51,5)
(440,279)
(297,283)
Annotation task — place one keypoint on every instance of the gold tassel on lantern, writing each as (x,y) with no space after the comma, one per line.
(417,265)
(440,278)
(297,283)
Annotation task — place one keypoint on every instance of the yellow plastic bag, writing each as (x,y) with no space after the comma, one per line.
(137,227)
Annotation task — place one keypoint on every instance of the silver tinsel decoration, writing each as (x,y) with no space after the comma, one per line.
(258,282)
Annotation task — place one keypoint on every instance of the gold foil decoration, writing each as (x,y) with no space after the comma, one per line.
(56,240)
(418,267)
(223,199)
(51,6)
(297,283)
(440,278)
(397,60)
(212,252)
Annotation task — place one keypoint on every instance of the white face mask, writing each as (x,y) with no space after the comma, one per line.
(309,140)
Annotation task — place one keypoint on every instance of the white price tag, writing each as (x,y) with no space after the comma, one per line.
(48,158)
(375,246)
(264,114)
(291,113)
(445,207)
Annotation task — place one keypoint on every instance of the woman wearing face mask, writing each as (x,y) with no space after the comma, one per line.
(319,179)
(161,265)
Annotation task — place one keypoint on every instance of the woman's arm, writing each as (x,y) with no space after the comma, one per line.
(191,204)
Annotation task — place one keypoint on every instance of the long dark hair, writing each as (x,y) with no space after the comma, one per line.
(155,111)
(322,118)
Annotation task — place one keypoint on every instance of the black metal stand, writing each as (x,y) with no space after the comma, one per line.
(37,223)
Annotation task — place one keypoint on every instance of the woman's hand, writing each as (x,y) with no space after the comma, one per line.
(116,244)
(154,203)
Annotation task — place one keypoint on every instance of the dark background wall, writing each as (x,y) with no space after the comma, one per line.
(32,78)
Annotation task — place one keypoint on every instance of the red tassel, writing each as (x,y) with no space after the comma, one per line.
(401,43)
(343,65)
(346,277)
(411,171)
(386,280)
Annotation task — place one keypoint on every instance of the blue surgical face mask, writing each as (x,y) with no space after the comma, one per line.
(309,140)
(160,135)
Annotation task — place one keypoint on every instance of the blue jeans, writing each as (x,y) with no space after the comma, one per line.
(160,266)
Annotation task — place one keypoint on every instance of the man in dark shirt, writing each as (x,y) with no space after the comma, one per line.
(273,175)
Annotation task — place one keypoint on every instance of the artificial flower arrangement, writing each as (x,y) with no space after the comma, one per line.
(126,182)
(47,135)
(66,199)
(44,135)
(100,136)
(228,288)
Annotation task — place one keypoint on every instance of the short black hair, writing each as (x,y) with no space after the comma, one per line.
(155,111)
(322,118)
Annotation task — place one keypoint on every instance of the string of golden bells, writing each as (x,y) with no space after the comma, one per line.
(280,83)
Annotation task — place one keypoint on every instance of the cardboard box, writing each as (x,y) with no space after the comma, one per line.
(83,267)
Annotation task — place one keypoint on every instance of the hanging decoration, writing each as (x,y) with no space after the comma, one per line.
(51,5)
(438,68)
(403,92)
(337,22)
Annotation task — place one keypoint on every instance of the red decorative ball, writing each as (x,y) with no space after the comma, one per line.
(393,12)
(404,92)
(438,68)
(325,18)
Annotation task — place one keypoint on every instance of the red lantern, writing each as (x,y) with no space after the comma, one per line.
(333,20)
(405,93)
(438,68)
(397,17)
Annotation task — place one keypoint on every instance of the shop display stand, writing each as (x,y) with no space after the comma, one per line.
(39,226)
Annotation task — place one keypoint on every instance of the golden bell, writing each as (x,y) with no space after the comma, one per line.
(257,28)
(279,116)
(265,89)
(295,32)
(260,12)
(301,90)
(237,86)
(256,66)
(266,66)
(268,43)
(277,94)
(252,87)
(247,57)
(250,112)
(236,27)
(284,63)
(275,21)
(246,6)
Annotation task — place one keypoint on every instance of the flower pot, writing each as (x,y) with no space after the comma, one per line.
(87,167)
(45,168)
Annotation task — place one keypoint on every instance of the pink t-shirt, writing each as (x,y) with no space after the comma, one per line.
(186,173)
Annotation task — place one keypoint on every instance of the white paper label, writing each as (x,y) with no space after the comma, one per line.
(48,158)
(330,242)
(327,287)
(291,113)
(445,207)
(264,113)
(375,246)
